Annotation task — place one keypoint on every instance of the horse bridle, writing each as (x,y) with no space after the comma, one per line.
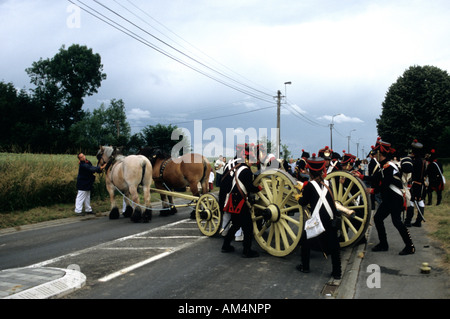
(110,162)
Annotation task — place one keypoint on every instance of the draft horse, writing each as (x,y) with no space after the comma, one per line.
(126,173)
(177,173)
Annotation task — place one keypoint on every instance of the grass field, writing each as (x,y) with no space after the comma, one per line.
(36,188)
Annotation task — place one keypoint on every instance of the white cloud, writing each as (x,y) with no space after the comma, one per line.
(341,118)
(137,114)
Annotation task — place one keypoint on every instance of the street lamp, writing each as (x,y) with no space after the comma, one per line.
(285,93)
(349,137)
(331,129)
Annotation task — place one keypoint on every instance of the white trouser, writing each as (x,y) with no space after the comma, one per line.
(83,199)
(225,222)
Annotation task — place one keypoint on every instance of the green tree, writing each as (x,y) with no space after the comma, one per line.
(160,136)
(63,81)
(105,126)
(416,106)
(22,125)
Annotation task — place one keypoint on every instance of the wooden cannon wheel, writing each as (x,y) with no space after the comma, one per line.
(208,215)
(277,216)
(350,192)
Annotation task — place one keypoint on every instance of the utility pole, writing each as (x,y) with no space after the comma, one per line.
(278,123)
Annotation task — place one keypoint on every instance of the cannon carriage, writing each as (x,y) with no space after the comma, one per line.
(278,219)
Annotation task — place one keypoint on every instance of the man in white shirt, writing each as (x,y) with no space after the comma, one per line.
(219,166)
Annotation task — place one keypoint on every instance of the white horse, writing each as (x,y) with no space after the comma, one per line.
(126,173)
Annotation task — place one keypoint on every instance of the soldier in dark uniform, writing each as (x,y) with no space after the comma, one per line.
(331,158)
(372,169)
(300,169)
(348,161)
(231,195)
(417,186)
(328,240)
(435,178)
(335,162)
(392,201)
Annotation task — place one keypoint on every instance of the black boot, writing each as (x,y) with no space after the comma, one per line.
(439,198)
(381,247)
(409,216)
(418,222)
(408,250)
(409,246)
(337,271)
(250,253)
(226,247)
(305,255)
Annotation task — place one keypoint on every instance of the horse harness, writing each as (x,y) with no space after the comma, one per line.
(161,172)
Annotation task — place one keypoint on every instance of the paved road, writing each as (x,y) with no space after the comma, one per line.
(167,258)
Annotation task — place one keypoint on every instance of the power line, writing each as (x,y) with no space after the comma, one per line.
(238,86)
(185,41)
(301,116)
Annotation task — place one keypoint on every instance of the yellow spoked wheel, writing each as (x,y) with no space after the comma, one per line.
(350,192)
(208,215)
(277,217)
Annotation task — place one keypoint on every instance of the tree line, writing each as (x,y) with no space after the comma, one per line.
(49,118)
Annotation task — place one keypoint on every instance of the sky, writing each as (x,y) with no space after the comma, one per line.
(213,68)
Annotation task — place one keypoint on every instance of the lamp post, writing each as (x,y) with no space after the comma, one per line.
(331,129)
(285,93)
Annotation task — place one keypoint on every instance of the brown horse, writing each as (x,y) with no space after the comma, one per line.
(126,173)
(176,173)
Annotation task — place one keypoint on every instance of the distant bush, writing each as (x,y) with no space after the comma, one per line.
(32,180)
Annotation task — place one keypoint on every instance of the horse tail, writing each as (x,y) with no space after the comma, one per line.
(205,168)
(144,167)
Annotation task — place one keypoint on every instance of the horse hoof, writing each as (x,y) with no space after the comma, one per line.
(147,217)
(114,214)
(137,215)
(128,211)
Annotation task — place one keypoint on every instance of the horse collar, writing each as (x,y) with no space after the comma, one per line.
(163,167)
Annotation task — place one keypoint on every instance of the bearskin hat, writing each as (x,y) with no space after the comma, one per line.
(325,153)
(315,163)
(348,158)
(383,147)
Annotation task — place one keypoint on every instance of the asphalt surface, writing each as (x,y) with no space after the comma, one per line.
(367,274)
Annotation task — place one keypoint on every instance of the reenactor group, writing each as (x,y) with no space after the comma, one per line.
(398,187)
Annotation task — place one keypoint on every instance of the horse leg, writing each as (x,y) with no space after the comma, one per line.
(128,209)
(164,205)
(147,200)
(173,209)
(205,186)
(137,213)
(114,213)
(194,189)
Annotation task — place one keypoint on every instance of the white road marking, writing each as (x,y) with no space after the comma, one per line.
(145,262)
(144,235)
